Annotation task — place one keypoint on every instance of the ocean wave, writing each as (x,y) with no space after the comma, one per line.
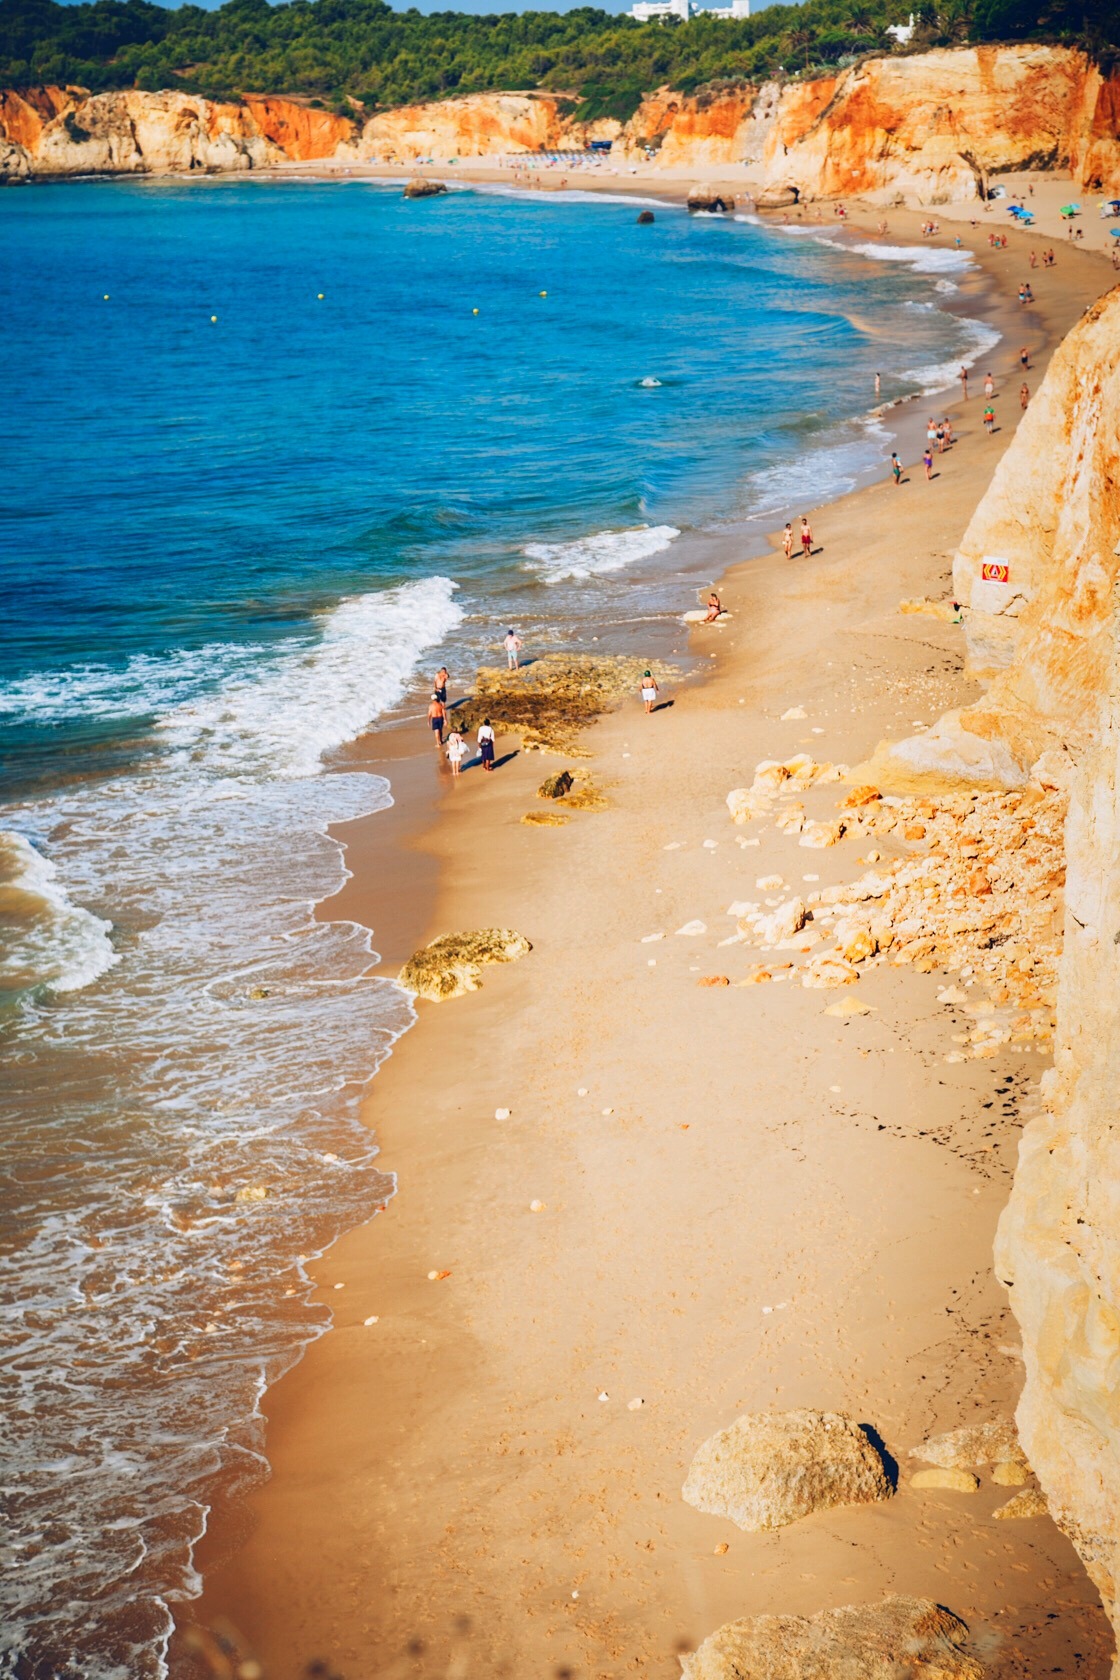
(45,939)
(940,376)
(146,684)
(282,718)
(923,259)
(606,551)
(818,474)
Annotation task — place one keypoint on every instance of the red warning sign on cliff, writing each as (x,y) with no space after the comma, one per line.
(995,571)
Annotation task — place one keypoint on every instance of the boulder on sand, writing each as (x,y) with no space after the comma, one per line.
(555,787)
(778,198)
(453,964)
(421,187)
(898,1639)
(770,1468)
(992,1442)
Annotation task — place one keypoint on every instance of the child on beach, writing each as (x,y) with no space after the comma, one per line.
(486,742)
(456,751)
(649,690)
(437,717)
(513,648)
(989,419)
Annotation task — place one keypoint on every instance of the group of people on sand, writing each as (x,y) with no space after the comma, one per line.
(455,746)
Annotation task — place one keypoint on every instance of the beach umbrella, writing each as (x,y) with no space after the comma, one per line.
(1115,232)
(1070,209)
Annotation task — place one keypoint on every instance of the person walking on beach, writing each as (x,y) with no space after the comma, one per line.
(806,538)
(989,419)
(941,437)
(927,463)
(931,433)
(513,649)
(1024,394)
(486,743)
(964,383)
(947,429)
(896,469)
(1024,358)
(437,717)
(456,751)
(989,385)
(649,691)
(878,383)
(787,541)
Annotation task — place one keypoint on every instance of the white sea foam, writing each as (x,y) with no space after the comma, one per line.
(923,259)
(940,376)
(606,551)
(146,684)
(45,939)
(282,717)
(820,473)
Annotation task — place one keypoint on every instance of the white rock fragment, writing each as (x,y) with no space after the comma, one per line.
(372,1320)
(635,1405)
(692,930)
(581,1091)
(501,1114)
(769,883)
(604,1396)
(793,714)
(651,938)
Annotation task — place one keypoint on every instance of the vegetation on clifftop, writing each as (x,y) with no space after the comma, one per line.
(361,53)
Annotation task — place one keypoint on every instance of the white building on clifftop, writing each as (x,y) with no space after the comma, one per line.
(646,11)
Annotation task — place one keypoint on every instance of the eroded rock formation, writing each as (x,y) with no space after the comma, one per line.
(453,964)
(63,131)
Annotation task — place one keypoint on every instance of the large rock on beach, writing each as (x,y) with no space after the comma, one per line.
(453,964)
(992,1442)
(710,199)
(548,702)
(778,198)
(421,187)
(770,1468)
(898,1639)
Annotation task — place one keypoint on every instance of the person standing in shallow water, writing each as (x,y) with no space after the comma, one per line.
(486,742)
(649,691)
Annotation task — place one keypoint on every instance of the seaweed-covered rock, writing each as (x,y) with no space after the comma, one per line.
(898,1639)
(555,787)
(770,1468)
(548,702)
(453,964)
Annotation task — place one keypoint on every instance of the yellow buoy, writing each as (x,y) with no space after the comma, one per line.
(213,317)
(106,298)
(320,297)
(542,294)
(474,311)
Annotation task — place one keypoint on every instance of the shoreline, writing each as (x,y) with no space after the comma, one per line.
(318,1421)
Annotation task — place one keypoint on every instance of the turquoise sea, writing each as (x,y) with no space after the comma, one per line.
(275,451)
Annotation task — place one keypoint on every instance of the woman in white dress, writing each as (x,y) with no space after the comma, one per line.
(649,690)
(456,751)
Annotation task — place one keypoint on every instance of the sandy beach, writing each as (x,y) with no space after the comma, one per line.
(746,1202)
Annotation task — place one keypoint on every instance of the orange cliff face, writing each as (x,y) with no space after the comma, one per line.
(479,125)
(302,134)
(934,125)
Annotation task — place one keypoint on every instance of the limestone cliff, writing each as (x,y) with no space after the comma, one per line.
(932,125)
(1052,715)
(56,131)
(936,124)
(1051,516)
(1059,1240)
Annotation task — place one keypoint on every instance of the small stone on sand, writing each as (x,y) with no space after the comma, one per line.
(581,1091)
(651,938)
(769,883)
(845,1007)
(793,714)
(1030,1503)
(1010,1474)
(722,1549)
(957,1481)
(368,1321)
(635,1405)
(608,1111)
(536,1207)
(692,930)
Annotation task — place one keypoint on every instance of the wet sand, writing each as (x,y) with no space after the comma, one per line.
(450,1494)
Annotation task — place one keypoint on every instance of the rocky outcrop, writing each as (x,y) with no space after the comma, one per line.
(479,125)
(770,1468)
(421,187)
(899,1639)
(453,964)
